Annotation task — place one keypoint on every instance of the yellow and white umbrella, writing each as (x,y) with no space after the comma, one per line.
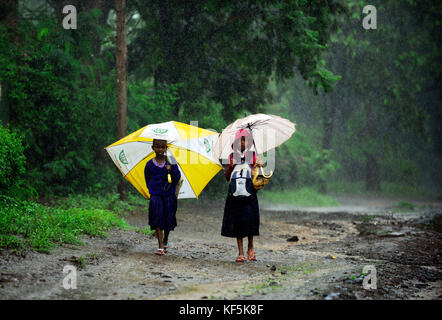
(191,147)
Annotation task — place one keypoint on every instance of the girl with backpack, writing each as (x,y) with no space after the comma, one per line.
(241,211)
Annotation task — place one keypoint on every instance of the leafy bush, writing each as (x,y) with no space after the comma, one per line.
(12,160)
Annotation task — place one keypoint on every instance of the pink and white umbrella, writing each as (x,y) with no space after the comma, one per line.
(268,132)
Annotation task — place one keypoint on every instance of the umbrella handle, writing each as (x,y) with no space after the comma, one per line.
(268,175)
(262,173)
(169,177)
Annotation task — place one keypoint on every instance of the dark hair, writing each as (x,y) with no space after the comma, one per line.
(158,140)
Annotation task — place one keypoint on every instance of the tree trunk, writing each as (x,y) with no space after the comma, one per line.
(121,81)
(372,178)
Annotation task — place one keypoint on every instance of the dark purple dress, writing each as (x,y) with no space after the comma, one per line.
(163,202)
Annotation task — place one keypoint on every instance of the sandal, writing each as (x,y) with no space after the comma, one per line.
(240,259)
(159,252)
(166,247)
(251,257)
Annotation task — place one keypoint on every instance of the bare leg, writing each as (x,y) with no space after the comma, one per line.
(250,246)
(166,237)
(240,246)
(159,234)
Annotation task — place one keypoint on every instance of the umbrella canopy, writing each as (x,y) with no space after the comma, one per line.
(188,146)
(268,132)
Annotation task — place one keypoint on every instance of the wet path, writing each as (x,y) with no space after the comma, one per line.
(326,261)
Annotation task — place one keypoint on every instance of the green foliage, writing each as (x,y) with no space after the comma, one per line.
(13,179)
(108,202)
(379,107)
(12,160)
(386,84)
(54,97)
(388,189)
(28,224)
(321,78)
(147,105)
(228,51)
(299,162)
(214,61)
(304,197)
(146,231)
(80,262)
(403,205)
(62,97)
(206,112)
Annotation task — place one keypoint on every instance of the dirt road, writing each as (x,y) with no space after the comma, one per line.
(333,245)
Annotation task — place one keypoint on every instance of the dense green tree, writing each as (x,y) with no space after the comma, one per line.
(60,93)
(398,89)
(228,50)
(383,72)
(212,61)
(56,103)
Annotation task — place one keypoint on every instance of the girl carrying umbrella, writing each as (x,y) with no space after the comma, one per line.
(241,211)
(163,202)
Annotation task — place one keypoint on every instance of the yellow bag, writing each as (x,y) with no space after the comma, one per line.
(260,179)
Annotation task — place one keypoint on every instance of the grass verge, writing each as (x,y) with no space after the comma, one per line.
(110,202)
(304,197)
(388,189)
(28,224)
